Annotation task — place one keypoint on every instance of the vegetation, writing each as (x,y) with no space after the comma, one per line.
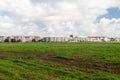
(60,61)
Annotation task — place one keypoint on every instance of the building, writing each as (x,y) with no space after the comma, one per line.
(36,38)
(88,39)
(20,39)
(2,38)
(30,39)
(15,38)
(81,39)
(55,39)
(117,39)
(97,39)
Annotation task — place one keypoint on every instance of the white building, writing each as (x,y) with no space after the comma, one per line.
(2,38)
(20,39)
(117,39)
(30,39)
(88,39)
(55,39)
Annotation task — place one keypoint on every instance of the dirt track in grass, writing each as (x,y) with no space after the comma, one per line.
(82,63)
(87,63)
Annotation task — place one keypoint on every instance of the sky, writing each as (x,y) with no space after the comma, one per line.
(60,17)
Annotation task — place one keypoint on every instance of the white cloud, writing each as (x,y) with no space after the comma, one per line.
(60,17)
(109,27)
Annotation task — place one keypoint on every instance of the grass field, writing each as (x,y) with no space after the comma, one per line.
(60,61)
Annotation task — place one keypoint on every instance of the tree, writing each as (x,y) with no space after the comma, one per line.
(6,40)
(33,40)
(13,40)
(112,39)
(41,40)
(19,40)
(71,36)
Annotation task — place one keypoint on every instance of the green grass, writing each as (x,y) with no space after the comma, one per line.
(19,61)
(105,52)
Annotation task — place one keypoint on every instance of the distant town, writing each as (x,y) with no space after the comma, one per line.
(71,38)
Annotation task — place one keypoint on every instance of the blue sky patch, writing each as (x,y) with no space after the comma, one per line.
(112,13)
(5,13)
(39,23)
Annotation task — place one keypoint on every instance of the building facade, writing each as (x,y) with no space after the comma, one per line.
(20,39)
(55,39)
(2,38)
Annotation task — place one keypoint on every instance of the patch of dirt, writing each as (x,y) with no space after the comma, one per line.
(87,63)
(82,63)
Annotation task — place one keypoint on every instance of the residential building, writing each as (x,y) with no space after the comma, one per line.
(55,39)
(2,38)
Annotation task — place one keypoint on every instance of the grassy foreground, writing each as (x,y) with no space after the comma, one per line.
(60,61)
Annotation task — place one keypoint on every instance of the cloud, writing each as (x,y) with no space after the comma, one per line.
(58,17)
(109,27)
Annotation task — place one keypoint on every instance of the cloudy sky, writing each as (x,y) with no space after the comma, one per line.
(60,17)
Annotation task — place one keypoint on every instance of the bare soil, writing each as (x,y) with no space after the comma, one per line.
(87,63)
(82,63)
